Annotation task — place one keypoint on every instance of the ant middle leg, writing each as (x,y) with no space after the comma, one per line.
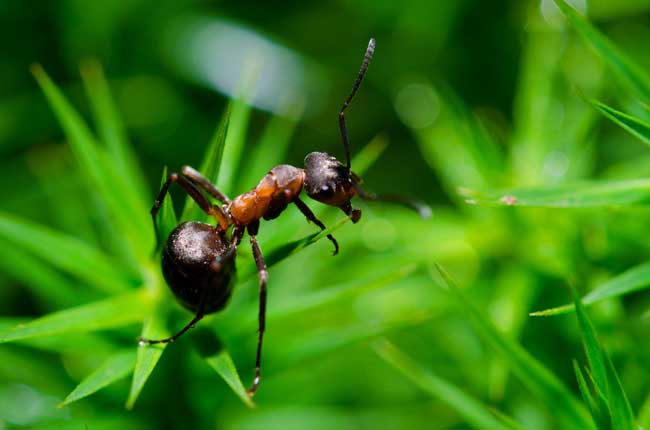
(311,217)
(198,317)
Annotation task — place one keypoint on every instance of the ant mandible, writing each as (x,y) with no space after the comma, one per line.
(198,259)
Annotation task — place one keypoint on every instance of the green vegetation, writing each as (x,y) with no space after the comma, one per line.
(521,304)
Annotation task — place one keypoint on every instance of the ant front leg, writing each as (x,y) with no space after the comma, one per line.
(263,276)
(422,209)
(311,217)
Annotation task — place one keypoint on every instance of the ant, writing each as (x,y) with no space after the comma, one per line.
(198,259)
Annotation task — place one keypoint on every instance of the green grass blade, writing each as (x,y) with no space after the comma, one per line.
(114,312)
(111,129)
(148,355)
(166,218)
(604,374)
(217,356)
(270,150)
(211,164)
(632,280)
(125,209)
(474,412)
(291,248)
(577,195)
(235,142)
(65,253)
(630,74)
(592,348)
(51,288)
(116,367)
(638,128)
(539,380)
(586,393)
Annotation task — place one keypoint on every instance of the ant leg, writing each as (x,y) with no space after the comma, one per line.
(198,179)
(195,194)
(199,315)
(422,209)
(311,217)
(364,66)
(263,275)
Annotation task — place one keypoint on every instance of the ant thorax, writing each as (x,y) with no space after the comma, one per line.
(327,180)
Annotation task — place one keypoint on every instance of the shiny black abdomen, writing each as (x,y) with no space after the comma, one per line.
(187,257)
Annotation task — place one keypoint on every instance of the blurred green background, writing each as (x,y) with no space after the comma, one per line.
(461,97)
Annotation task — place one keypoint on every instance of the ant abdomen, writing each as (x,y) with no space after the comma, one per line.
(191,254)
(327,180)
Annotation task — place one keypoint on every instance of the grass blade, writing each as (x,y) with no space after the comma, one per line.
(576,195)
(116,367)
(211,164)
(474,412)
(125,209)
(148,355)
(111,129)
(66,253)
(638,128)
(217,356)
(114,312)
(586,394)
(604,374)
(234,146)
(539,380)
(632,280)
(630,74)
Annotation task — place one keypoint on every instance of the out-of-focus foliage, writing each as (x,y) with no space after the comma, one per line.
(524,124)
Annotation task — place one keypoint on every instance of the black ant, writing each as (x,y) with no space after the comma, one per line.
(198,259)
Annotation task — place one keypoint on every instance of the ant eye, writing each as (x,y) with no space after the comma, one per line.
(326,191)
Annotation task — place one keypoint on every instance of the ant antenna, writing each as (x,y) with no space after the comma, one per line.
(346,103)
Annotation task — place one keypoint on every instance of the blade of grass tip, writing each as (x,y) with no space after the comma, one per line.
(604,374)
(628,72)
(473,411)
(632,280)
(539,379)
(111,128)
(594,409)
(591,346)
(235,141)
(166,219)
(214,352)
(95,165)
(291,248)
(271,149)
(638,128)
(211,164)
(587,194)
(154,327)
(114,312)
(116,367)
(66,253)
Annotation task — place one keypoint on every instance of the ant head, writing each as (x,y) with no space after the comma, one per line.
(330,182)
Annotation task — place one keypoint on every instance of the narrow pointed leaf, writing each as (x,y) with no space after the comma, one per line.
(65,253)
(235,142)
(630,74)
(638,128)
(125,209)
(539,379)
(148,355)
(472,410)
(217,356)
(111,128)
(114,312)
(632,280)
(116,367)
(604,374)
(592,348)
(577,195)
(211,163)
(586,393)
